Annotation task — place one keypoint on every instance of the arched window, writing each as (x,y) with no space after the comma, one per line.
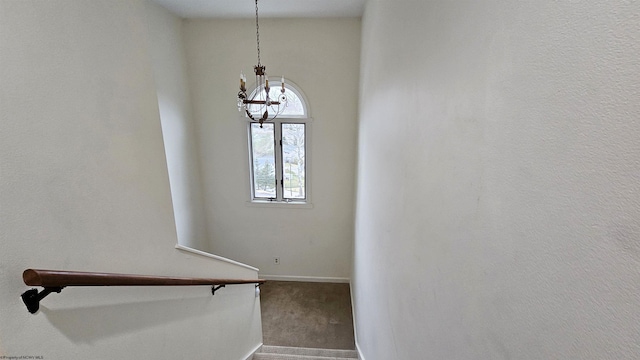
(296,106)
(278,152)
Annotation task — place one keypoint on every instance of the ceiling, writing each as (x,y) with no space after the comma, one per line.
(267,8)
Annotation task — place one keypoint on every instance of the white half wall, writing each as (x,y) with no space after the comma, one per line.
(84,186)
(321,56)
(499,180)
(178,128)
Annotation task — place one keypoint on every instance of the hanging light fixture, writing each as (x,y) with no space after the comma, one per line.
(260,107)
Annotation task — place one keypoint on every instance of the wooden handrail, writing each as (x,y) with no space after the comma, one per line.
(56,280)
(59,278)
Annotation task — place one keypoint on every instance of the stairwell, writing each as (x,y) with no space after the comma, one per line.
(306,321)
(268,352)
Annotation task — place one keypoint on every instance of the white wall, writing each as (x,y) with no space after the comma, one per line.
(84,186)
(322,57)
(499,182)
(178,128)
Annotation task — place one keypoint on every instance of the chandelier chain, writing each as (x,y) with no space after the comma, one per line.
(257,105)
(258,34)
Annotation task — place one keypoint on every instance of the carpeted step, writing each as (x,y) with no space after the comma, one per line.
(263,356)
(296,353)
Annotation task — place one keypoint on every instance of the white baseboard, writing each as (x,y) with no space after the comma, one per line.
(360,356)
(212,256)
(355,328)
(305,278)
(250,353)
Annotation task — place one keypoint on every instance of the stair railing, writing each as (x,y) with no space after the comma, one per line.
(56,280)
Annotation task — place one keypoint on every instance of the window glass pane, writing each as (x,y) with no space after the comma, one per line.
(294,104)
(293,161)
(264,161)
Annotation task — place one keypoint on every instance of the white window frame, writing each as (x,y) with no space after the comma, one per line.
(305,119)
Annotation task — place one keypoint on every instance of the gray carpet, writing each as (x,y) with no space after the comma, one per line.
(305,314)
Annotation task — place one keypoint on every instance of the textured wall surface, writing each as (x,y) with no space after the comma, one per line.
(84,186)
(178,128)
(321,56)
(499,181)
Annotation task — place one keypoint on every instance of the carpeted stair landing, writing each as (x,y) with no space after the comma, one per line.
(268,352)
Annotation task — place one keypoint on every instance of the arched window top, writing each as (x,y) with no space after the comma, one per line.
(296,104)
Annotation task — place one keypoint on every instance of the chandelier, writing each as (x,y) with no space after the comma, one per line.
(260,106)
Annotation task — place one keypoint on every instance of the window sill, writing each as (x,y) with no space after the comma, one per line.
(279,204)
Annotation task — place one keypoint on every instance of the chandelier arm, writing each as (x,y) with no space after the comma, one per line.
(261,102)
(250,116)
